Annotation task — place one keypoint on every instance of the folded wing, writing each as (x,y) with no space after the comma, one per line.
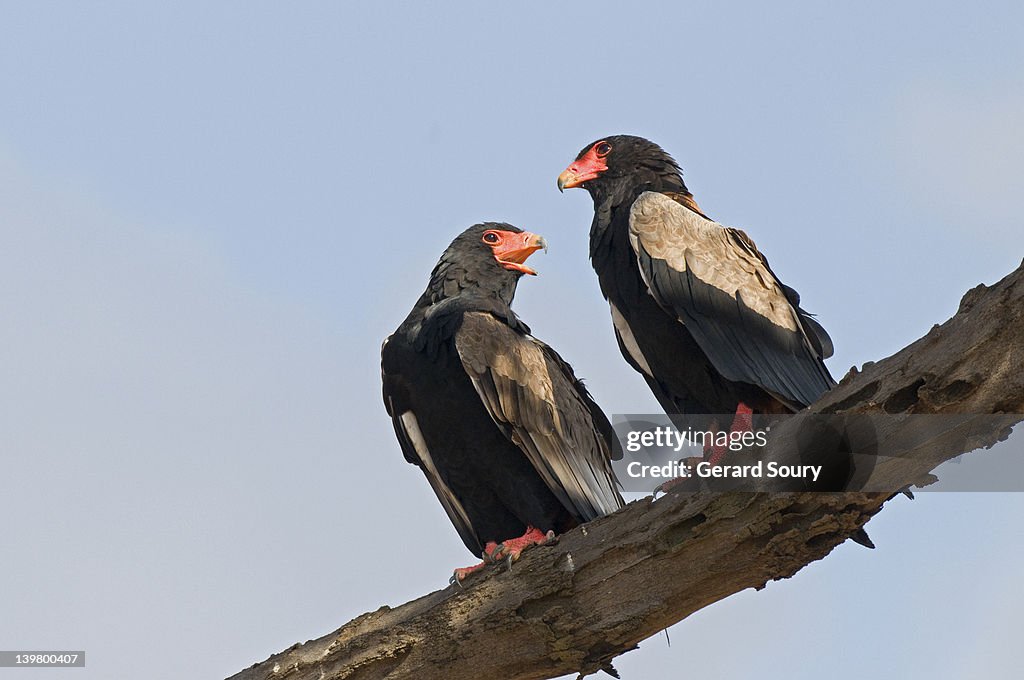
(714,280)
(533,396)
(416,451)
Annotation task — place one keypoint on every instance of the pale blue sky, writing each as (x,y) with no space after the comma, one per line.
(210,217)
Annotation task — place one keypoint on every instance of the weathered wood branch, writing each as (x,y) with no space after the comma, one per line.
(604,587)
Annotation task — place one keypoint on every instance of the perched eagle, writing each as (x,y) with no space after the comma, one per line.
(696,307)
(506,435)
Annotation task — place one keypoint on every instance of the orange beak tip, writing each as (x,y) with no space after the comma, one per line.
(567,180)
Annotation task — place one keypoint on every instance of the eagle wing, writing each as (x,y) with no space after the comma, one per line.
(416,451)
(533,396)
(716,282)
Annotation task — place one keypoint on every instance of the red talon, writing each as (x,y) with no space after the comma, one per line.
(462,572)
(510,549)
(490,552)
(514,547)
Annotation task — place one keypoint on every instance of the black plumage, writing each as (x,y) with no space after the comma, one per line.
(506,435)
(696,308)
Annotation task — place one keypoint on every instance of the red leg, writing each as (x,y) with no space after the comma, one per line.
(462,572)
(717,453)
(514,547)
(743,422)
(510,549)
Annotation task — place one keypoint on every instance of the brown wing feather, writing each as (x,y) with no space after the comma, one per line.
(530,393)
(815,331)
(688,241)
(686,200)
(719,285)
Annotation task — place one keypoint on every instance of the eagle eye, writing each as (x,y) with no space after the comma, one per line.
(602,149)
(490,238)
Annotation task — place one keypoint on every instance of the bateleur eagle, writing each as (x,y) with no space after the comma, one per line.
(509,439)
(696,307)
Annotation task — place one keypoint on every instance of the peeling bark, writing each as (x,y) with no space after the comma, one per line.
(604,587)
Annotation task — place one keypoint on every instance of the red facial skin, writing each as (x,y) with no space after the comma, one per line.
(512,248)
(588,167)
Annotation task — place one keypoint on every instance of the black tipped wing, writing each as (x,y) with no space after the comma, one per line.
(714,281)
(533,396)
(416,451)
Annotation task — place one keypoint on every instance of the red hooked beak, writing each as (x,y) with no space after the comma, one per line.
(513,249)
(584,169)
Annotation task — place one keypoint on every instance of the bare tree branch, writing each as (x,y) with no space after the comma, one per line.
(604,587)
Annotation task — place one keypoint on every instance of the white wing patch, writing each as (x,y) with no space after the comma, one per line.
(412,428)
(629,341)
(448,500)
(688,241)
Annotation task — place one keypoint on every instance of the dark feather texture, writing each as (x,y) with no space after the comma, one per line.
(506,435)
(696,307)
